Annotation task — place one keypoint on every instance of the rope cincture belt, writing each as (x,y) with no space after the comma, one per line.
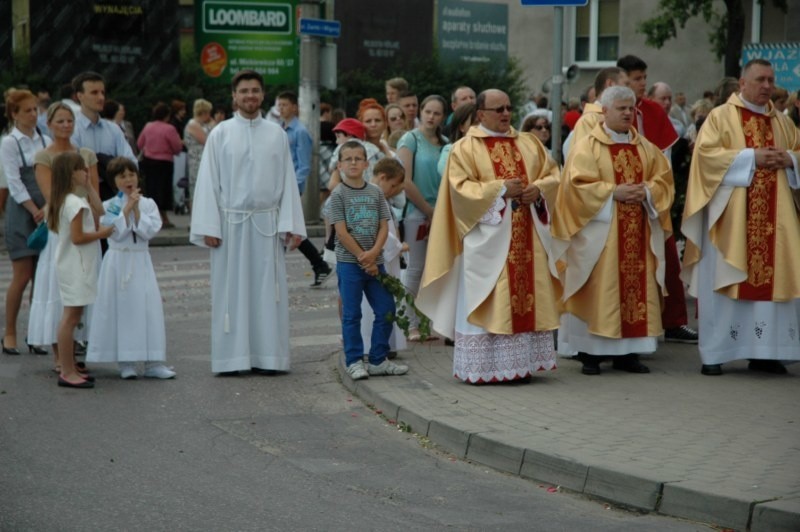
(237,217)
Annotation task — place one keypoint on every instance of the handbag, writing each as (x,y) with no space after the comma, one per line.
(38,238)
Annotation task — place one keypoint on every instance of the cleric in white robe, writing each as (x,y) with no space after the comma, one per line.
(246,209)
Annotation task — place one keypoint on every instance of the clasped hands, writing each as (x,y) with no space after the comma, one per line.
(515,190)
(772,158)
(630,193)
(366,259)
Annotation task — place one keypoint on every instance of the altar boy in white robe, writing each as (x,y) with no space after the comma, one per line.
(247,210)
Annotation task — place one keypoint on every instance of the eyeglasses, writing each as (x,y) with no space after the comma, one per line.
(500,109)
(541,127)
(353,160)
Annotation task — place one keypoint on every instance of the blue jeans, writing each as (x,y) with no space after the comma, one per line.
(354,283)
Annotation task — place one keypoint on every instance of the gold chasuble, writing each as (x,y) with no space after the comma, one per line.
(754,228)
(509,288)
(611,260)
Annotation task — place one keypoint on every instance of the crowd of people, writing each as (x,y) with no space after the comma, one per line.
(514,256)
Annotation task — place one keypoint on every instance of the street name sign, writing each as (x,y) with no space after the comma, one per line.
(320,27)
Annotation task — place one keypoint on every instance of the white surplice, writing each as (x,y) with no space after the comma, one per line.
(246,195)
(128,316)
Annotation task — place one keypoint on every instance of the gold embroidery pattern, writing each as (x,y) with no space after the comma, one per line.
(508,164)
(631,267)
(632,251)
(756,129)
(506,161)
(760,219)
(521,257)
(628,167)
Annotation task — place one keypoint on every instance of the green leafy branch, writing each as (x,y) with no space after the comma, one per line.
(404,301)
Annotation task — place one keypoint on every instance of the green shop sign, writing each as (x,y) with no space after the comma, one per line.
(224,17)
(258,35)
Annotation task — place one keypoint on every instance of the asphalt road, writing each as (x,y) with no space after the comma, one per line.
(292,452)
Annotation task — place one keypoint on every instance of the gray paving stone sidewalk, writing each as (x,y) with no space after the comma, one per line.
(722,450)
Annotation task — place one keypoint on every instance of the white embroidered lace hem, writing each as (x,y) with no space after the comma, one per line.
(502,357)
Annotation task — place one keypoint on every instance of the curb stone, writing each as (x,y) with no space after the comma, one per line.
(624,486)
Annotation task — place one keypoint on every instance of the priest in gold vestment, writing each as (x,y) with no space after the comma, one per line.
(486,281)
(592,113)
(742,257)
(610,222)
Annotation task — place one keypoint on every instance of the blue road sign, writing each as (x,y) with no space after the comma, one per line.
(554,2)
(320,28)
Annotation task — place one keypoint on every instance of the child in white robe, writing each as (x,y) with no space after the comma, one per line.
(128,317)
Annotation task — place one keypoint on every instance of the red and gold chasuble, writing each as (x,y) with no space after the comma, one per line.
(762,200)
(632,245)
(508,164)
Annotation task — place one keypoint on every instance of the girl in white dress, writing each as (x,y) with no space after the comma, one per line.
(128,317)
(46,309)
(70,215)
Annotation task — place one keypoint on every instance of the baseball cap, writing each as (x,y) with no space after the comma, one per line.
(352,127)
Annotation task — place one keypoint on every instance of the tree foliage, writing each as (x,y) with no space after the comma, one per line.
(727,29)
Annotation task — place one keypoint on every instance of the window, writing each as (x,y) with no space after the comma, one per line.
(597,32)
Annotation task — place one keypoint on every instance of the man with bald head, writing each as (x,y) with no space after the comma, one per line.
(742,257)
(461,96)
(610,221)
(661,93)
(486,281)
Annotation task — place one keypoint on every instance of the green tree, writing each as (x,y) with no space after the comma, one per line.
(727,29)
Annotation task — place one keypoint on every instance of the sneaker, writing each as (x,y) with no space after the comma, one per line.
(158,371)
(682,334)
(387,367)
(357,371)
(321,275)
(127,370)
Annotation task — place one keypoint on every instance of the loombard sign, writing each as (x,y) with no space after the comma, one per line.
(232,36)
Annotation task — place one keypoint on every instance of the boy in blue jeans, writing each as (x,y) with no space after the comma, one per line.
(360,216)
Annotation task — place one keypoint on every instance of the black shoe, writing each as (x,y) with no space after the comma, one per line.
(629,363)
(711,369)
(35,349)
(83,384)
(321,274)
(228,374)
(260,371)
(591,363)
(8,350)
(449,342)
(767,366)
(682,334)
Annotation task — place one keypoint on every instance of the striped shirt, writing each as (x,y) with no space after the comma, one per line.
(361,209)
